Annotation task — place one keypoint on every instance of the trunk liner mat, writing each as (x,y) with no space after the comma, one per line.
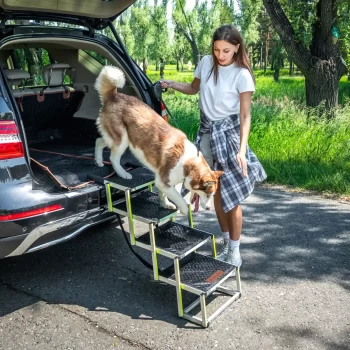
(70,167)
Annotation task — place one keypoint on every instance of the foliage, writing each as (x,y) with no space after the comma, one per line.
(140,24)
(296,147)
(320,61)
(32,60)
(248,20)
(180,50)
(187,24)
(126,33)
(301,15)
(159,48)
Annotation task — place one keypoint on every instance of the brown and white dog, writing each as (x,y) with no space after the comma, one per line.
(125,121)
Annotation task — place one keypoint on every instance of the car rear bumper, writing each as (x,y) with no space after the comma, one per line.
(53,232)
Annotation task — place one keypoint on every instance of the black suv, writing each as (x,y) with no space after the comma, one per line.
(48,108)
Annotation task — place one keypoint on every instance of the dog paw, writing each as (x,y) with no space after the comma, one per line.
(125,175)
(169,205)
(99,163)
(184,210)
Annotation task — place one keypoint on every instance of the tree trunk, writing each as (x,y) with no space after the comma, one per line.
(18,61)
(177,65)
(266,50)
(291,68)
(161,68)
(194,52)
(322,88)
(144,65)
(33,64)
(254,60)
(322,65)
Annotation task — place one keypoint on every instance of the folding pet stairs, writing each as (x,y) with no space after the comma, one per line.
(189,270)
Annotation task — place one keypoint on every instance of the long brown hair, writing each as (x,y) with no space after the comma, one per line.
(229,33)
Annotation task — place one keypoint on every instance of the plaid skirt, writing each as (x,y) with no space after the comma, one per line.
(224,145)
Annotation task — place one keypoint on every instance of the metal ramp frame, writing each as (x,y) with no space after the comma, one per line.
(192,272)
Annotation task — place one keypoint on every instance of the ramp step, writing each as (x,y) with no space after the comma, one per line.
(146,205)
(141,177)
(176,239)
(200,272)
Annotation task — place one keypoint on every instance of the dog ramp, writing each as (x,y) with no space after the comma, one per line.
(190,271)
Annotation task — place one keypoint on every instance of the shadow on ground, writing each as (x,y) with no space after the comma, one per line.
(287,237)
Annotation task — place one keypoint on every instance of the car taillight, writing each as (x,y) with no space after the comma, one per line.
(29,213)
(165,115)
(10,143)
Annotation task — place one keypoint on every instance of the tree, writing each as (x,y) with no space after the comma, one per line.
(125,32)
(227,11)
(221,12)
(180,49)
(208,20)
(249,20)
(321,63)
(187,24)
(277,57)
(140,24)
(344,20)
(265,33)
(159,44)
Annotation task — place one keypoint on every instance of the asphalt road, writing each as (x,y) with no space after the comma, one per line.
(92,293)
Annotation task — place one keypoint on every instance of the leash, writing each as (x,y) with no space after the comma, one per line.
(171,116)
(142,260)
(156,92)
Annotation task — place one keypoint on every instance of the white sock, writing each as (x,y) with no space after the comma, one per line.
(226,236)
(234,244)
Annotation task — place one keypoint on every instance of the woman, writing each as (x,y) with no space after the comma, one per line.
(226,84)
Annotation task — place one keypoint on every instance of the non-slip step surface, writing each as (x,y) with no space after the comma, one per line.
(175,238)
(200,271)
(140,176)
(147,205)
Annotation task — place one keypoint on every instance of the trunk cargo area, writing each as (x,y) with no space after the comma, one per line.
(70,164)
(61,147)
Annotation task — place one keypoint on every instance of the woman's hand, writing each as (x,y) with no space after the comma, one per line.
(185,88)
(165,84)
(242,162)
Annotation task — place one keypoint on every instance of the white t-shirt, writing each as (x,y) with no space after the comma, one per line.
(222,99)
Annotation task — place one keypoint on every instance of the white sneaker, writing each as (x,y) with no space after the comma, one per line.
(223,253)
(233,257)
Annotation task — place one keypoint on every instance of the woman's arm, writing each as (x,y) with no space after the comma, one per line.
(185,88)
(245,103)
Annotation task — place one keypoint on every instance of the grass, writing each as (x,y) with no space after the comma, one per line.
(295,147)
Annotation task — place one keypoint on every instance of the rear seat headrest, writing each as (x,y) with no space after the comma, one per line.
(15,76)
(53,74)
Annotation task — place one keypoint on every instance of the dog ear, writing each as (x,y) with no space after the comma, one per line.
(218,173)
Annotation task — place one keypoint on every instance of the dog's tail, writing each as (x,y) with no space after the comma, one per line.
(109,79)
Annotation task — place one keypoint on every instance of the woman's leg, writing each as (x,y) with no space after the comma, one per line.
(221,215)
(234,222)
(229,222)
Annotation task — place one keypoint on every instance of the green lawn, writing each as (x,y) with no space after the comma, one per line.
(295,147)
